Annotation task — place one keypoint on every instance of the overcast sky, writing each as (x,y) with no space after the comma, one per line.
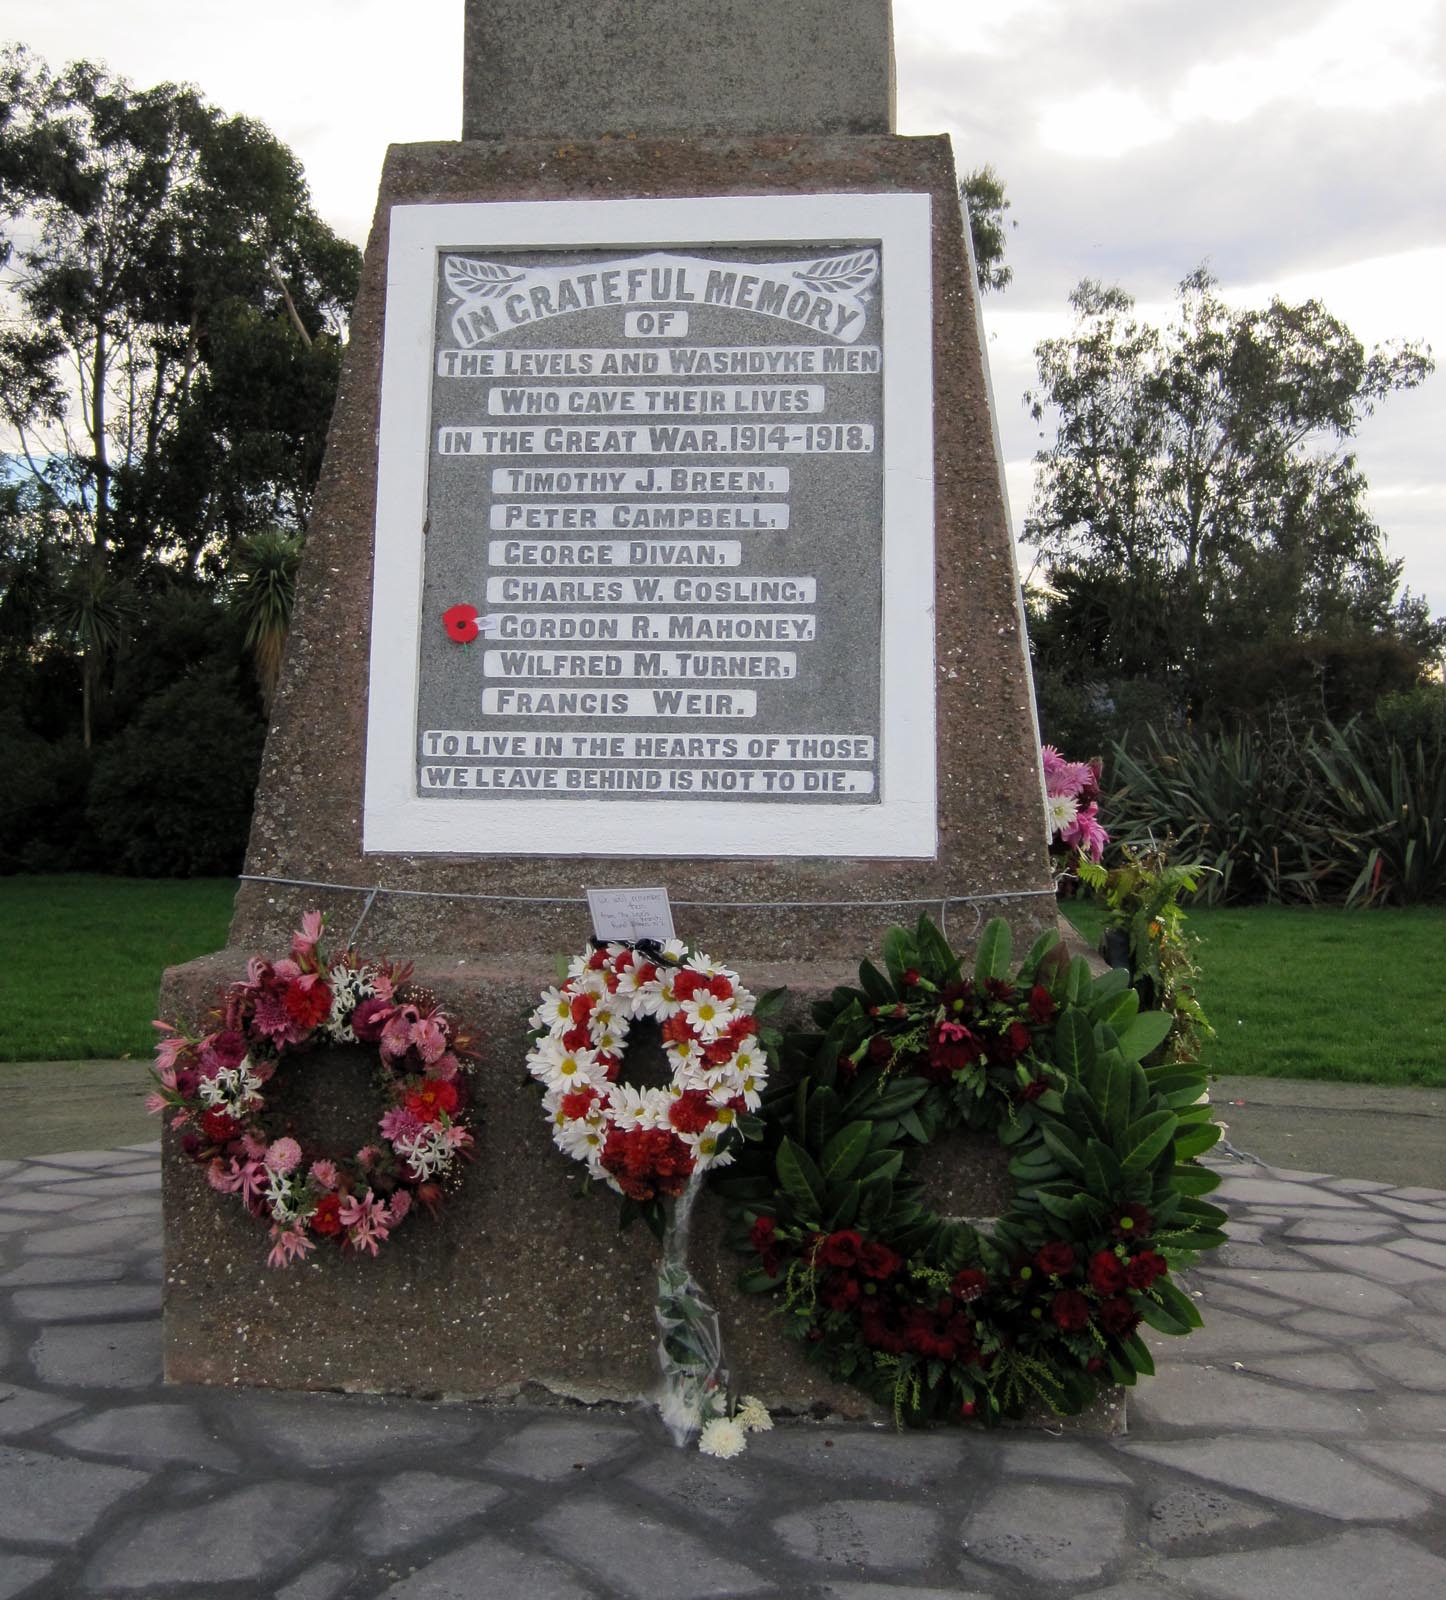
(1296,146)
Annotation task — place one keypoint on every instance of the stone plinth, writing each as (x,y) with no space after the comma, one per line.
(580,68)
(991,826)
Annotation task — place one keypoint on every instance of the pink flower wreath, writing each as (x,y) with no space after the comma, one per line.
(213,1089)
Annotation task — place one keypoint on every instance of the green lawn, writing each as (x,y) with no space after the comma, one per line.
(1349,996)
(1344,996)
(82,958)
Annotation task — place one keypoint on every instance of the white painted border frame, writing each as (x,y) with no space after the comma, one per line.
(903,822)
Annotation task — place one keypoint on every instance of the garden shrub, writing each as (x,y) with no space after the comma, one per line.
(171,795)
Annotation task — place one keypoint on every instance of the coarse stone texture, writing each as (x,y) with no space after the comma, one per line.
(892,1460)
(1370,1261)
(1328,1371)
(320,1430)
(1189,1516)
(1334,1291)
(1298,1472)
(655,1561)
(153,1435)
(249,1535)
(99,1355)
(510,1571)
(92,1303)
(44,1201)
(551,1451)
(1226,1335)
(1420,1462)
(1220,1397)
(324,1581)
(991,816)
(1332,1228)
(19,1572)
(1421,1250)
(24,1409)
(1366,1564)
(1047,1533)
(1057,1458)
(63,1269)
(1412,1364)
(864,1535)
(557,69)
(1320,1325)
(48,1500)
(1273,1192)
(697,1486)
(834,1590)
(410,1506)
(119,1234)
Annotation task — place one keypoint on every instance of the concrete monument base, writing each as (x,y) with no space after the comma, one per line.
(524,1281)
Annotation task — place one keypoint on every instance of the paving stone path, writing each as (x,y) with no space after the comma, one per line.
(1295,1449)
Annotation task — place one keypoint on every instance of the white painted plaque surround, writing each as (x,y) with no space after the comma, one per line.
(403,814)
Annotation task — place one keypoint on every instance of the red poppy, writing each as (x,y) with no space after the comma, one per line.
(327,1216)
(461,623)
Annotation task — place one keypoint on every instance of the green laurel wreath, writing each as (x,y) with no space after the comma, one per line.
(935,1317)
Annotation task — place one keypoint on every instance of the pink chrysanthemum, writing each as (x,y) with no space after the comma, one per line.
(284,1156)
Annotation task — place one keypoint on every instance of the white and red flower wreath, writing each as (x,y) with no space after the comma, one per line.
(646,1142)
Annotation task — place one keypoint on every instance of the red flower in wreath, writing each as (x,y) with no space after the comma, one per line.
(460,622)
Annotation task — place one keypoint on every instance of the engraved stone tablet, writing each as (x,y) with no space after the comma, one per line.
(652,539)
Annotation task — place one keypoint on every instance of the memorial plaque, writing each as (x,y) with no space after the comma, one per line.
(654,531)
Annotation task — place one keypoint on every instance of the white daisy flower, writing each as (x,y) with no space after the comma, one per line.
(709,1015)
(752,1415)
(581,1138)
(571,1069)
(554,1007)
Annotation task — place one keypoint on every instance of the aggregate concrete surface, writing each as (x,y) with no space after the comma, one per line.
(1293,1449)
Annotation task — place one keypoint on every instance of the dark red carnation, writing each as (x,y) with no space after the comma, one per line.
(838,1291)
(840,1249)
(582,1007)
(742,1027)
(952,1048)
(1070,1310)
(647,1162)
(577,1038)
(1041,1004)
(1031,1090)
(1118,1316)
(760,1235)
(1142,1270)
(999,989)
(878,1261)
(219,1126)
(1106,1272)
(719,987)
(881,1049)
(1055,1259)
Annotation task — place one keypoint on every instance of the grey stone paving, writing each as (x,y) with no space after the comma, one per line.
(1294,1449)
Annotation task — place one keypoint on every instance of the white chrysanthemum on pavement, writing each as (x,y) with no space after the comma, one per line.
(722,1437)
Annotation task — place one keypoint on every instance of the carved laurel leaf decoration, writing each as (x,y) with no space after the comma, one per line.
(852,274)
(478,280)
